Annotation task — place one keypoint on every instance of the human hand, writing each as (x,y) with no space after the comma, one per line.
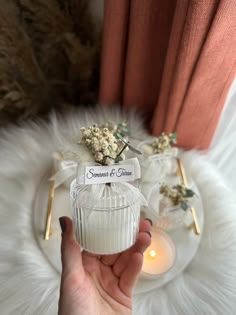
(94,285)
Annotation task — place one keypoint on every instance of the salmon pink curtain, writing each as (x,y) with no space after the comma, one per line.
(174,59)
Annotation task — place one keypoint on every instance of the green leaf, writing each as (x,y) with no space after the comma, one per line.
(118,135)
(184,205)
(173,137)
(189,193)
(118,159)
(122,130)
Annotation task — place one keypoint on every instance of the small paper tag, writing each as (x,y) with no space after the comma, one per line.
(68,164)
(108,174)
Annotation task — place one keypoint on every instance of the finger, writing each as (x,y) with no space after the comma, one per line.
(70,249)
(130,273)
(145,225)
(143,241)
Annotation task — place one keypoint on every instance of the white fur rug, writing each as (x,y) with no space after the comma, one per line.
(29,284)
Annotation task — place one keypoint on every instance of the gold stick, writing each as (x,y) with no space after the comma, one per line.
(184,180)
(49,208)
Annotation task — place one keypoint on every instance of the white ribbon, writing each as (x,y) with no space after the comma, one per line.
(68,168)
(65,169)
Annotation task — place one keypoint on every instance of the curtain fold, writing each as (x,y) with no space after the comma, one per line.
(174,59)
(149,29)
(134,51)
(115,33)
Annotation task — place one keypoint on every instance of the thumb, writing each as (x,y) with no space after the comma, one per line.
(70,249)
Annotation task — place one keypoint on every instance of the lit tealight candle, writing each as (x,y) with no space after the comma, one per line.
(159,257)
(152,253)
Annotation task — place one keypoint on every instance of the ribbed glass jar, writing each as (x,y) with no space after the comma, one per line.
(105,216)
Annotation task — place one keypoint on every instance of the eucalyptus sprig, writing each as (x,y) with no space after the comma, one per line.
(121,131)
(178,194)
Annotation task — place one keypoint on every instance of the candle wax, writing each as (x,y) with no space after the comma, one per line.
(160,255)
(109,229)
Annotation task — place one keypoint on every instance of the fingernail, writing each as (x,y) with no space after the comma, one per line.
(149,233)
(62,224)
(147,219)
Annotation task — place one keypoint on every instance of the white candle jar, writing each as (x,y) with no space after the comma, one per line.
(105,216)
(164,214)
(160,256)
(156,166)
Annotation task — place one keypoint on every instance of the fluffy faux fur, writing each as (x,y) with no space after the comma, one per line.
(29,284)
(49,56)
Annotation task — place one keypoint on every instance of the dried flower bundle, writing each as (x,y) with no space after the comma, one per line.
(178,194)
(104,143)
(163,142)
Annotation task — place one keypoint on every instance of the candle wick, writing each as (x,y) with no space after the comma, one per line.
(152,253)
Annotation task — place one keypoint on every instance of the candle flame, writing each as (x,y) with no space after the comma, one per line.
(152,253)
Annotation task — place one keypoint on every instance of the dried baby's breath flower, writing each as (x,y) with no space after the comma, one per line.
(98,156)
(107,160)
(104,144)
(106,152)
